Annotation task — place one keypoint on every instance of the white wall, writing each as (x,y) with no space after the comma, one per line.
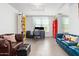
(71,10)
(74,20)
(8,17)
(29,23)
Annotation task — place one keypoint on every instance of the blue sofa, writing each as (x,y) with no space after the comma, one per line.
(69,47)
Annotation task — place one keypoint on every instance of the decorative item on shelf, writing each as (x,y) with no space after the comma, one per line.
(23,23)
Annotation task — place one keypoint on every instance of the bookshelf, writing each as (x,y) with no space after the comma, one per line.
(23,25)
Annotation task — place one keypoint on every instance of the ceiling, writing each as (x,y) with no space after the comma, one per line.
(37,7)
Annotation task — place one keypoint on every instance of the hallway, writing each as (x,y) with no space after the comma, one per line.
(46,47)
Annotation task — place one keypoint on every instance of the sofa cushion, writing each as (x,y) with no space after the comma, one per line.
(68,43)
(1,39)
(61,39)
(71,43)
(10,38)
(4,47)
(3,43)
(65,43)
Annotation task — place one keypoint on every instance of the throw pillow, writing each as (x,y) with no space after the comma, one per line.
(67,37)
(73,38)
(10,38)
(77,40)
(77,44)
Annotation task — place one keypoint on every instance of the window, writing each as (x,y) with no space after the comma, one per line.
(37,21)
(65,23)
(41,22)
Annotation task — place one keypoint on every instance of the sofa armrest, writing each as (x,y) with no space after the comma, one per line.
(59,35)
(19,37)
(16,45)
(14,48)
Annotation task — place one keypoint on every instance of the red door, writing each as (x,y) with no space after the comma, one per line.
(55,28)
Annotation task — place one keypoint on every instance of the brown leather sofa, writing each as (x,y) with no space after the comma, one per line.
(8,48)
(4,47)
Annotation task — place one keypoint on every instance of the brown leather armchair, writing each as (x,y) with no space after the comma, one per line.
(8,48)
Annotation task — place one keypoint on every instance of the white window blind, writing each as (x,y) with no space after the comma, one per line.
(41,22)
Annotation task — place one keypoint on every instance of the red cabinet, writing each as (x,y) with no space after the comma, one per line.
(55,28)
